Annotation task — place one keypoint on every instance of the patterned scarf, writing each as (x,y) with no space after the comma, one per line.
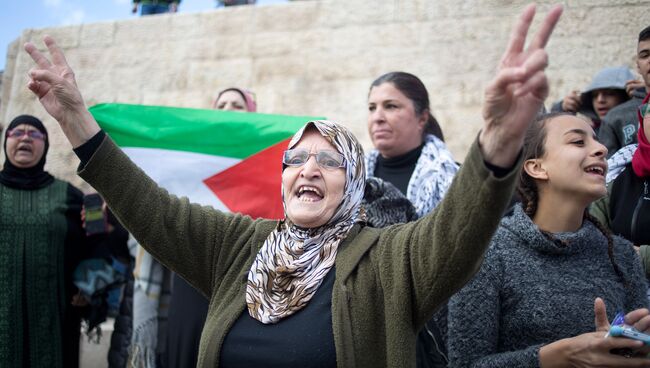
(641,159)
(431,178)
(293,261)
(619,161)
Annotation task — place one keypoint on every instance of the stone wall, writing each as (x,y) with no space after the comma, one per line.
(319,57)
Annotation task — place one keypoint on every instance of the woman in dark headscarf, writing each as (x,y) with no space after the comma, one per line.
(40,244)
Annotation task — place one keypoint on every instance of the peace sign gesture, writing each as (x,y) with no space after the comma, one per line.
(54,84)
(517,92)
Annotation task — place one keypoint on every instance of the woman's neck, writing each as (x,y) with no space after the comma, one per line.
(558,214)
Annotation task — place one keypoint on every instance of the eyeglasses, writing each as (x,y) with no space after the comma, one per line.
(325,159)
(19,133)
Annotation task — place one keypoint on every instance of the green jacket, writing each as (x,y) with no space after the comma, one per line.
(388,281)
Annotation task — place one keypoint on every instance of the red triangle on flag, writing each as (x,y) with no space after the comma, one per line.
(253,186)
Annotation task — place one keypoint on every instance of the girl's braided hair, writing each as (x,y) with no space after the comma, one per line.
(529,192)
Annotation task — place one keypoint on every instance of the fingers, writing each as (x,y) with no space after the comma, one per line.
(544,33)
(37,56)
(611,343)
(507,77)
(537,85)
(57,55)
(519,32)
(611,360)
(40,75)
(634,316)
(639,318)
(536,61)
(600,315)
(571,103)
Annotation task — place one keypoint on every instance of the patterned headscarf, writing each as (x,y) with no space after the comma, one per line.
(293,261)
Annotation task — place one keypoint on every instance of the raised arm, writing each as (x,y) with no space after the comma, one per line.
(185,237)
(517,92)
(446,247)
(54,84)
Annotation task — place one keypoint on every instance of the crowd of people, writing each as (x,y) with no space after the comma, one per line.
(401,257)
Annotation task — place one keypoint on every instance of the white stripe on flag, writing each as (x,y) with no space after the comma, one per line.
(181,172)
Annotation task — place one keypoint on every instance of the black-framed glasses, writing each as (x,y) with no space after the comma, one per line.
(327,159)
(19,133)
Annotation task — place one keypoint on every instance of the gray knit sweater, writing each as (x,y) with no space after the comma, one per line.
(531,291)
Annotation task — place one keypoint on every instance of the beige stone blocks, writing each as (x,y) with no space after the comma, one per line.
(319,57)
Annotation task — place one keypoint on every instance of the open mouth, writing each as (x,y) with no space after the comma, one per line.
(308,193)
(596,170)
(24,148)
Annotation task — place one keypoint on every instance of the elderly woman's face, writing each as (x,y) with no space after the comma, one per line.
(231,101)
(312,193)
(24,150)
(394,127)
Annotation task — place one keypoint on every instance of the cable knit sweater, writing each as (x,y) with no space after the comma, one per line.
(531,291)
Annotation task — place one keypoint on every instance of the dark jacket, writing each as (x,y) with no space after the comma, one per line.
(620,125)
(387,284)
(626,210)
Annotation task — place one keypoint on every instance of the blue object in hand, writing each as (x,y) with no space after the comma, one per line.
(620,329)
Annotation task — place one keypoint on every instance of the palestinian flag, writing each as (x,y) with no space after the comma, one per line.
(229,160)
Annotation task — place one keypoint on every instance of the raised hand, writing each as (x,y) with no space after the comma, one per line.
(517,92)
(54,84)
(571,102)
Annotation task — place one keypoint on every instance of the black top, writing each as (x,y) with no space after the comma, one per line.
(398,170)
(304,339)
(86,150)
(629,206)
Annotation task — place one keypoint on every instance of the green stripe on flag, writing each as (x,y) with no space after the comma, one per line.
(214,132)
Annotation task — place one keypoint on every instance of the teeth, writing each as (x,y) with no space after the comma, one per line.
(309,189)
(596,169)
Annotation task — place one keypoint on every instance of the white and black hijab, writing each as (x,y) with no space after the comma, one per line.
(293,261)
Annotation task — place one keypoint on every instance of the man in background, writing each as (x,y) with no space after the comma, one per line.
(620,125)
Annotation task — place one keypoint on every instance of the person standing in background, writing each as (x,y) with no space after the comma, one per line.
(224,3)
(149,7)
(619,127)
(41,242)
(606,91)
(188,308)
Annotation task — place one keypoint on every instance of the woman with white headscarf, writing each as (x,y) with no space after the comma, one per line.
(317,289)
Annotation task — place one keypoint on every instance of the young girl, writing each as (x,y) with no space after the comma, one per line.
(550,266)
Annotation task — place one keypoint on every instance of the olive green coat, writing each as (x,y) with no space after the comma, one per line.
(388,282)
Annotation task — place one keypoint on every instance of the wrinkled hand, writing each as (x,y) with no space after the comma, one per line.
(56,88)
(571,102)
(516,94)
